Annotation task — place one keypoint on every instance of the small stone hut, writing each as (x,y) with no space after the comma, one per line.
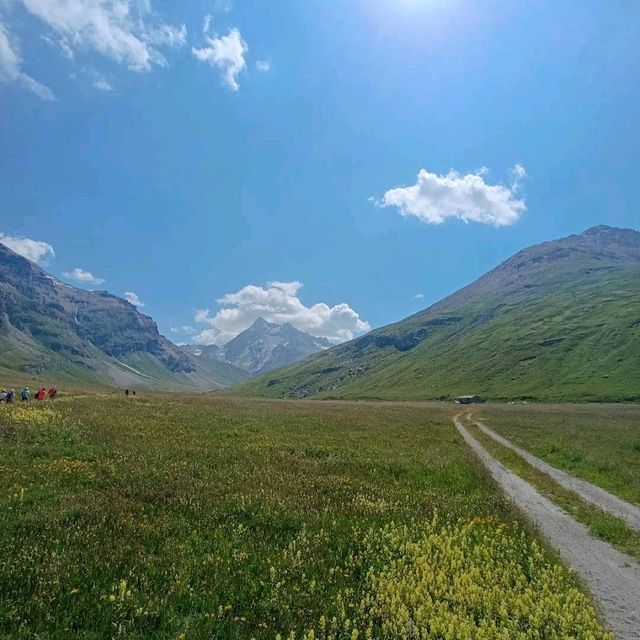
(475,399)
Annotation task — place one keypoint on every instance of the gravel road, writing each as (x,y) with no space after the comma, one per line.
(587,491)
(612,577)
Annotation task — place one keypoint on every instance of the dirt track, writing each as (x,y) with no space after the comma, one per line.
(589,492)
(612,577)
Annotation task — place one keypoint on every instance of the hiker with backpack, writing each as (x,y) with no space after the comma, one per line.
(25,395)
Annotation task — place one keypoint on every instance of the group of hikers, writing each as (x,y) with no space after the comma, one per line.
(25,394)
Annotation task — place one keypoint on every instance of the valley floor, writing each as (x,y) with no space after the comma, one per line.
(214,517)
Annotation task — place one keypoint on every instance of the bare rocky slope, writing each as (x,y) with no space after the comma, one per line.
(53,329)
(262,347)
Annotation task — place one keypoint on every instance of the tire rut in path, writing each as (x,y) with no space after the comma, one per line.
(587,491)
(612,577)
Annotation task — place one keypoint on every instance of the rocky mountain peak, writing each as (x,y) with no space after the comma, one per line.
(265,346)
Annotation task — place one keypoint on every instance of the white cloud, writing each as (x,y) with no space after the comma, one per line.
(418,296)
(225,53)
(185,328)
(102,85)
(66,49)
(210,336)
(278,302)
(518,172)
(80,275)
(34,250)
(202,315)
(434,198)
(126,31)
(263,65)
(223,6)
(133,299)
(164,35)
(11,68)
(220,6)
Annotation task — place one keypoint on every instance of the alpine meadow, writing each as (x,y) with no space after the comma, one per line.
(208,518)
(319,320)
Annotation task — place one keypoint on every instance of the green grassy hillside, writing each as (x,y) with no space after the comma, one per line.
(560,321)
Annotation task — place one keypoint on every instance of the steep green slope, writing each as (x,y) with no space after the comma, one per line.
(558,321)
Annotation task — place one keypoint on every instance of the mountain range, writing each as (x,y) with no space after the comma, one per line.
(263,347)
(48,328)
(557,321)
(53,330)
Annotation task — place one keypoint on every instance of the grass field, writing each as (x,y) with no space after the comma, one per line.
(218,518)
(600,524)
(600,443)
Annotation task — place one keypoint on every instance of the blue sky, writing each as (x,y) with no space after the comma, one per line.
(284,145)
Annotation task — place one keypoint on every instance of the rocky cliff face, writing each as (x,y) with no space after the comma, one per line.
(263,347)
(42,317)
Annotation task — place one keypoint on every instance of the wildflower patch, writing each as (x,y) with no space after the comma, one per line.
(477,580)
